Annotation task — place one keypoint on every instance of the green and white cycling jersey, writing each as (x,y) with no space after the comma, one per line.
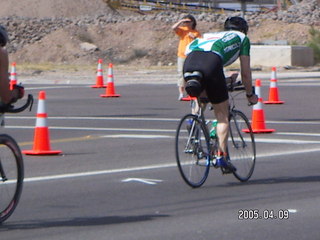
(228,45)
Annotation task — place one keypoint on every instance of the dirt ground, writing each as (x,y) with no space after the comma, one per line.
(141,44)
(136,43)
(52,8)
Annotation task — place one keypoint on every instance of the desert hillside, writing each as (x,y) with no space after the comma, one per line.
(81,31)
(52,8)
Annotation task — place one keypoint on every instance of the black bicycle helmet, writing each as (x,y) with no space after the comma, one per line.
(236,23)
(3,36)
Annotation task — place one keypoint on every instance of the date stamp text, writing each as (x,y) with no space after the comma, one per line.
(266,214)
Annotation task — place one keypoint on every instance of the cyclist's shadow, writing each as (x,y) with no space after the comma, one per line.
(77,222)
(279,180)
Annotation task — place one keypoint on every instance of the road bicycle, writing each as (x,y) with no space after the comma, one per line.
(11,166)
(196,150)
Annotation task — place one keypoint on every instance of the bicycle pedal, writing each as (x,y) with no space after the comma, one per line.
(226,171)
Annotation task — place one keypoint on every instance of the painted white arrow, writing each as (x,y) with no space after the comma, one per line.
(142,180)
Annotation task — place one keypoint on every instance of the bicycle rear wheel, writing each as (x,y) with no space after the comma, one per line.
(11,176)
(192,150)
(241,146)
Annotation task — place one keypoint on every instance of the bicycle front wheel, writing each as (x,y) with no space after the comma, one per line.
(192,150)
(11,176)
(241,146)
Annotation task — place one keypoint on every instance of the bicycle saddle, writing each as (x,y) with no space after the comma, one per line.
(192,75)
(193,86)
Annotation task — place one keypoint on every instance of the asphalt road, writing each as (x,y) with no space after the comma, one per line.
(117,177)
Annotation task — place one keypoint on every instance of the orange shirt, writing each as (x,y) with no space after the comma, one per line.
(185,39)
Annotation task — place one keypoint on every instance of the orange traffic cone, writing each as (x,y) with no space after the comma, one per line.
(99,78)
(13,76)
(273,90)
(41,144)
(258,120)
(110,91)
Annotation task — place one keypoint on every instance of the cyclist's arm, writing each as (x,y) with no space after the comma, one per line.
(246,77)
(5,93)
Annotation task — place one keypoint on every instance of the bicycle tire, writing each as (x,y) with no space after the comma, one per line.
(11,176)
(241,146)
(192,150)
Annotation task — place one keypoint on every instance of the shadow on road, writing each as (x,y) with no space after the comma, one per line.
(288,179)
(78,222)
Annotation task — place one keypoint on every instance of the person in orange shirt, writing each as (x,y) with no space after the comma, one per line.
(187,32)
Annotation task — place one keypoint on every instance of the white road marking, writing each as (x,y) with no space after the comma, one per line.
(299,134)
(94,173)
(101,118)
(286,141)
(136,136)
(149,167)
(98,129)
(257,139)
(146,136)
(143,180)
(147,119)
(53,87)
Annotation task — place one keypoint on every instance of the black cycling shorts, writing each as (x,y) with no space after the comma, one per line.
(210,65)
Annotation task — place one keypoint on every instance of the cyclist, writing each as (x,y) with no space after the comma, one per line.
(6,96)
(208,55)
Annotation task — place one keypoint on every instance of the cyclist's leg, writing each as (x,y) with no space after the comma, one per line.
(195,106)
(221,111)
(217,92)
(222,115)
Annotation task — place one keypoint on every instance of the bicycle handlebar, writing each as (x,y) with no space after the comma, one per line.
(8,108)
(235,86)
(238,86)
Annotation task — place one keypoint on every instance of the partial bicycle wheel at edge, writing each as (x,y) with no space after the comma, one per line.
(241,146)
(192,150)
(11,176)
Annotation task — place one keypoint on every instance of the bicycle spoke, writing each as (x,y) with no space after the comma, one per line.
(192,151)
(242,148)
(11,170)
(2,173)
